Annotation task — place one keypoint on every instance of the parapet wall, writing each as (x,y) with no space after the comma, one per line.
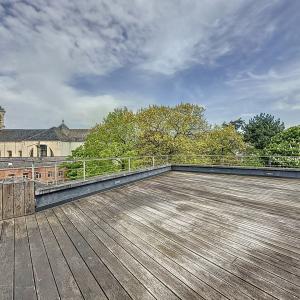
(250,171)
(52,196)
(55,195)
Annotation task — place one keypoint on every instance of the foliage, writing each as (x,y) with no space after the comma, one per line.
(286,143)
(169,130)
(237,124)
(220,141)
(183,133)
(116,136)
(261,129)
(224,141)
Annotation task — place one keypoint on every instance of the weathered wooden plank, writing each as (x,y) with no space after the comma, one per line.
(66,284)
(203,259)
(7,259)
(19,207)
(24,287)
(44,280)
(29,200)
(137,269)
(200,216)
(206,276)
(220,257)
(211,221)
(178,279)
(109,284)
(183,274)
(88,285)
(134,288)
(8,200)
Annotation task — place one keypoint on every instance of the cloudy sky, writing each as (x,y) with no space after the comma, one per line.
(76,60)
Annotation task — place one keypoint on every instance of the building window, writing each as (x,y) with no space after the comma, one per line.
(43,150)
(60,173)
(9,153)
(50,174)
(25,175)
(51,152)
(31,153)
(38,175)
(11,175)
(20,154)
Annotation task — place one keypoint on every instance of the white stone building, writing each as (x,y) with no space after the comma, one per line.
(52,142)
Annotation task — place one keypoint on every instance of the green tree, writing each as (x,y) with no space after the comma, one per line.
(286,143)
(221,141)
(261,129)
(169,130)
(237,124)
(115,137)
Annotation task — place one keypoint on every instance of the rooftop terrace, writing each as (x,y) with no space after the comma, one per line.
(173,236)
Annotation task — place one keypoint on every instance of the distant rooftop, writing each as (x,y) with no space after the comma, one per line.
(61,133)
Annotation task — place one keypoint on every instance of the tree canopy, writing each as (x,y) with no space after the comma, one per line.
(286,143)
(221,141)
(237,124)
(182,130)
(260,130)
(167,130)
(159,130)
(116,136)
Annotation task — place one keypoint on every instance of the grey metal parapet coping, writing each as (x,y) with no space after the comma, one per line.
(52,196)
(55,195)
(251,171)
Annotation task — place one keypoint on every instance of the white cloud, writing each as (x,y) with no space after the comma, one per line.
(44,44)
(279,88)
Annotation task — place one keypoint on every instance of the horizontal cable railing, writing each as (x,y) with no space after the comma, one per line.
(62,170)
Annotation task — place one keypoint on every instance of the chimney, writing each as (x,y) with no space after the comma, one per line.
(2,114)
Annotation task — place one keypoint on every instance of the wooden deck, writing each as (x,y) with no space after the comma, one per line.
(174,236)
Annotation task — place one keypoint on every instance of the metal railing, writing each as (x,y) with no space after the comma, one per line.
(64,170)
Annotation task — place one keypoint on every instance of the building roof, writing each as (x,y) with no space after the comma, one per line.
(61,133)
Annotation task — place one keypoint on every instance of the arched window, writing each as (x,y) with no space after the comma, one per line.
(51,152)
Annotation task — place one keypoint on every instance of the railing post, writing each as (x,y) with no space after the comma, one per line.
(32,172)
(84,166)
(55,173)
(153,161)
(129,164)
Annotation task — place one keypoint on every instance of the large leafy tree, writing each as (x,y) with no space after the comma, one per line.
(284,146)
(169,130)
(221,141)
(116,136)
(237,124)
(286,143)
(260,130)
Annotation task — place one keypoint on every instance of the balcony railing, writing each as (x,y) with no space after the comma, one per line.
(64,170)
